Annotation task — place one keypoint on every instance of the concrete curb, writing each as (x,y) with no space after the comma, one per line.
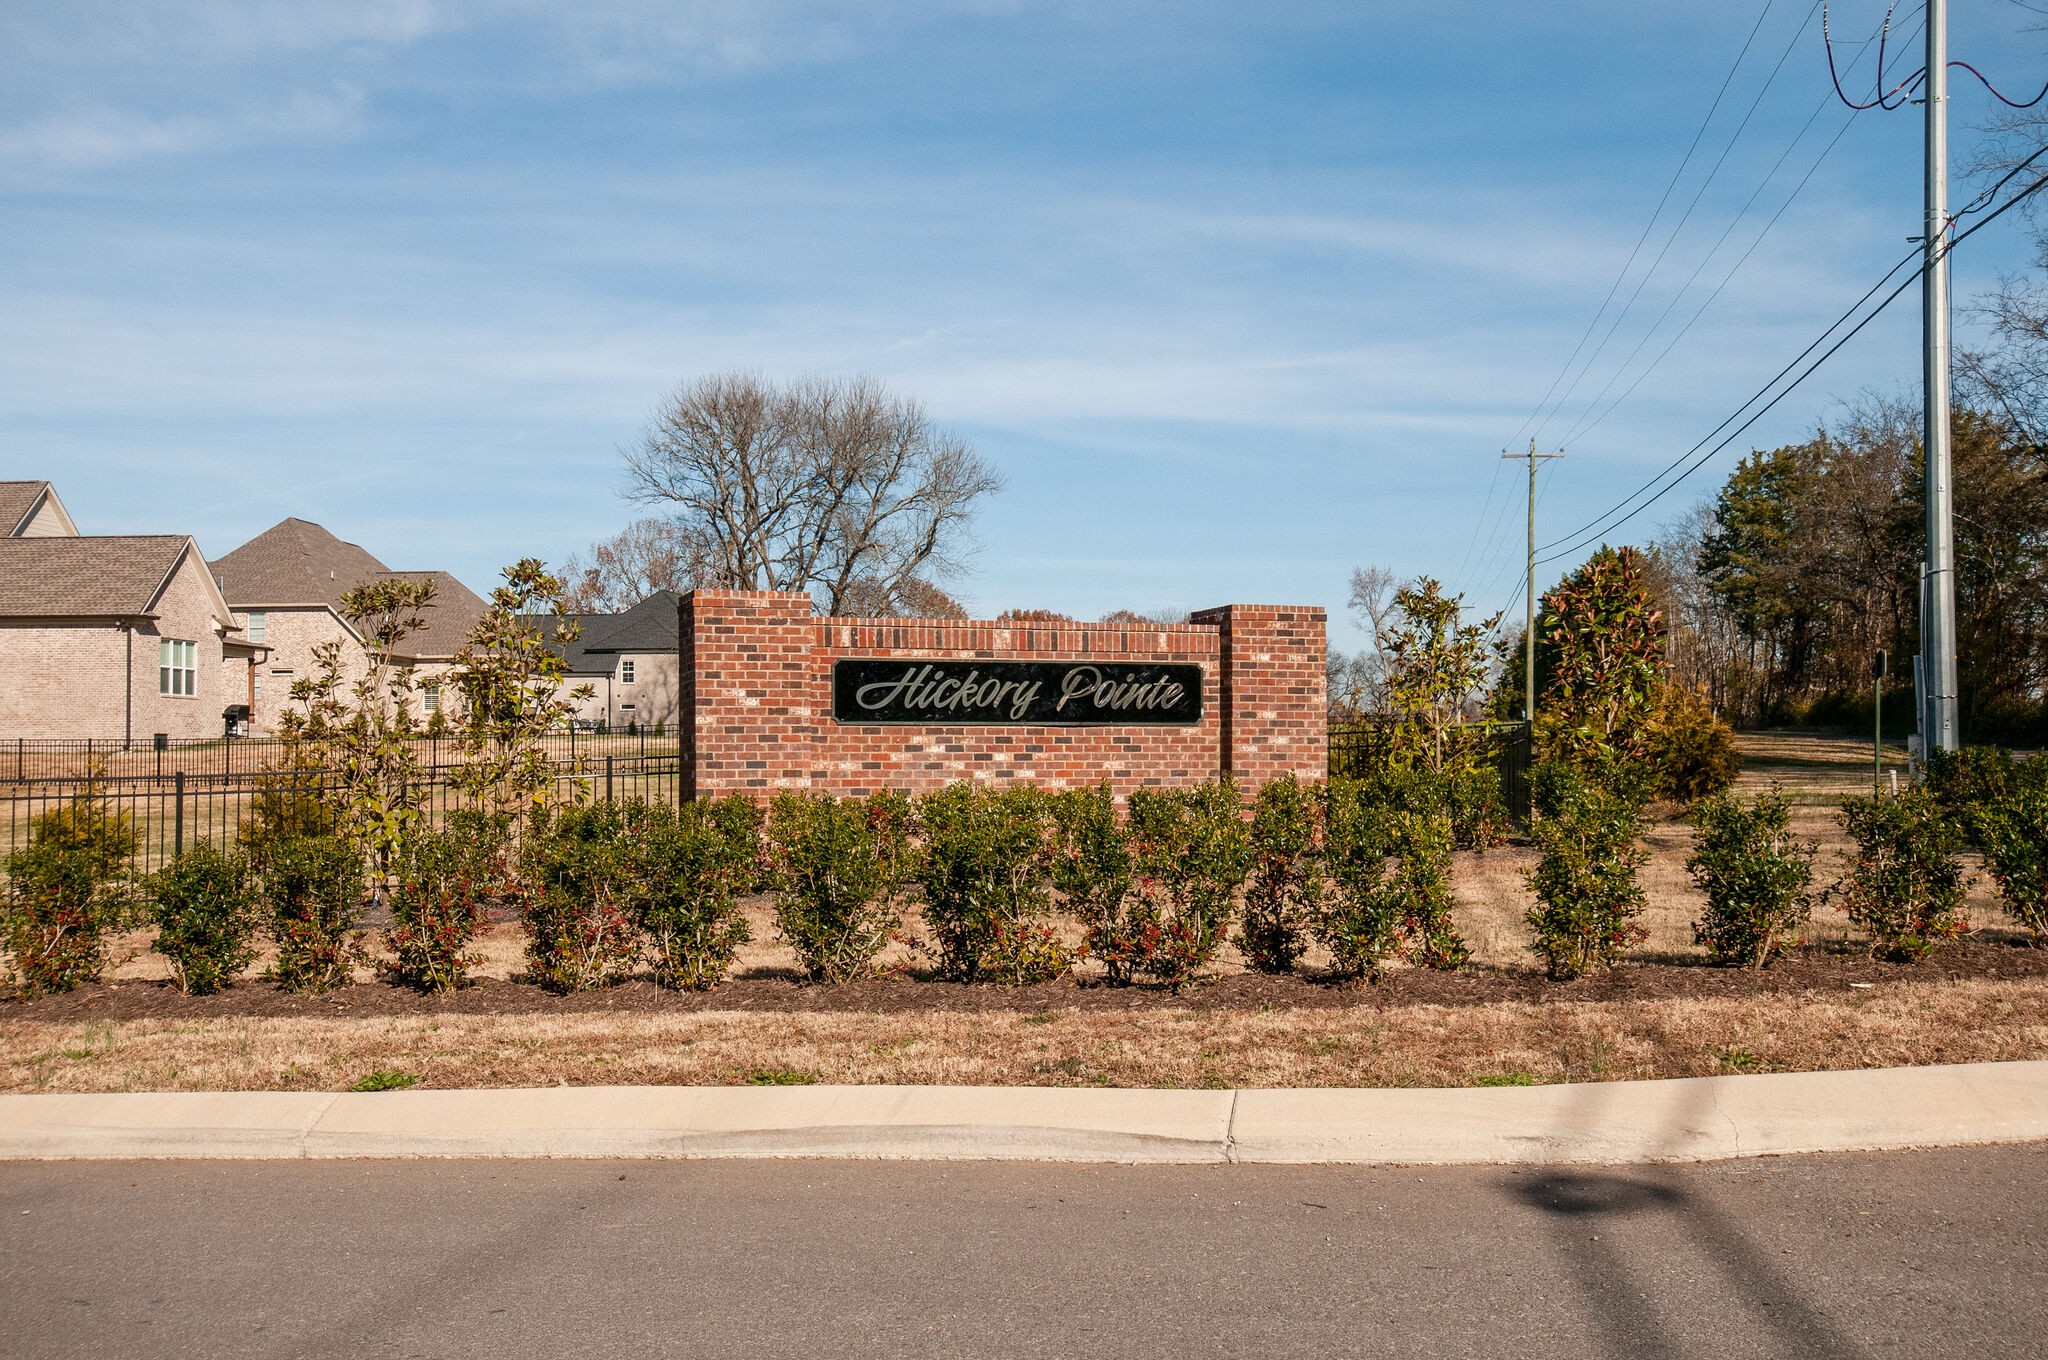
(1696,1119)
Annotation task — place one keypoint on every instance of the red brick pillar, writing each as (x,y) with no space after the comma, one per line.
(1275,718)
(752,693)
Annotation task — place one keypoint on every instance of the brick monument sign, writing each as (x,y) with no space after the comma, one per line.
(774,697)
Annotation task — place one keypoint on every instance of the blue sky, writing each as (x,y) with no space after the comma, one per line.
(1237,297)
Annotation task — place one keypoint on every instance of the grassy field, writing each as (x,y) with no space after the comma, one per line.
(1352,1038)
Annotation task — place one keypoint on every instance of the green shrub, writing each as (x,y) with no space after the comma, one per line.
(1389,867)
(1964,783)
(983,871)
(2014,834)
(443,881)
(313,895)
(285,808)
(1096,873)
(61,899)
(1689,749)
(686,869)
(1755,875)
(1285,886)
(1905,884)
(206,910)
(1478,808)
(575,899)
(56,919)
(1587,897)
(838,862)
(1192,851)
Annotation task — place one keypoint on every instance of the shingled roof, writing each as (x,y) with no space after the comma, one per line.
(649,626)
(297,563)
(455,610)
(19,502)
(294,562)
(89,578)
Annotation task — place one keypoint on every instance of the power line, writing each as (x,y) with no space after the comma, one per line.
(1585,425)
(1599,523)
(1704,458)
(1672,239)
(1649,226)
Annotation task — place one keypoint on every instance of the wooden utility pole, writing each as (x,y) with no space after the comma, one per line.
(1529,587)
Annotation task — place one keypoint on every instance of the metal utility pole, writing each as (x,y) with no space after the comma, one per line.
(1939,702)
(1529,586)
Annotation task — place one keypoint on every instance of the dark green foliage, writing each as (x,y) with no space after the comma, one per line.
(1905,884)
(1192,851)
(1286,883)
(286,808)
(1587,897)
(90,829)
(1389,868)
(313,896)
(1689,749)
(1755,875)
(1966,783)
(574,905)
(60,902)
(983,870)
(1095,870)
(443,881)
(686,868)
(2014,834)
(206,910)
(838,863)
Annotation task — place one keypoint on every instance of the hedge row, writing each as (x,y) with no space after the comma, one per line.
(1360,867)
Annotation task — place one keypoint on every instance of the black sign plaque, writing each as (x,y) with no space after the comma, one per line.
(897,691)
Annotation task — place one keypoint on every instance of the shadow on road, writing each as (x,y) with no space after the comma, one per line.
(1585,1207)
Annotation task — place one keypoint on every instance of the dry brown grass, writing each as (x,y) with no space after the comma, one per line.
(1903,1024)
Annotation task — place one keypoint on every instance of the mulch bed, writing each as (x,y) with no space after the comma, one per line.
(1805,970)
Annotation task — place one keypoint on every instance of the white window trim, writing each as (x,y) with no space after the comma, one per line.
(177,669)
(627,671)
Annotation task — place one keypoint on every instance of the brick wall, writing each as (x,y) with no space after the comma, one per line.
(757,700)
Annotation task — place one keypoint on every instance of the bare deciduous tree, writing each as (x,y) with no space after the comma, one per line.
(646,556)
(834,487)
(1363,674)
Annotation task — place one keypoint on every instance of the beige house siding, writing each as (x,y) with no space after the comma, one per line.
(651,697)
(292,636)
(48,522)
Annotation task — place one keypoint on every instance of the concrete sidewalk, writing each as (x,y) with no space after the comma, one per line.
(1697,1119)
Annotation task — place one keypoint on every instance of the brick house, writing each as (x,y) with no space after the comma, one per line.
(285,587)
(107,636)
(628,660)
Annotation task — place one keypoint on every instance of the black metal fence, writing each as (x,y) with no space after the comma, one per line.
(1359,748)
(172,814)
(28,759)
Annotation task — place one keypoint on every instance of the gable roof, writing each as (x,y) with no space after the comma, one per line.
(294,562)
(649,626)
(575,651)
(95,578)
(455,610)
(19,502)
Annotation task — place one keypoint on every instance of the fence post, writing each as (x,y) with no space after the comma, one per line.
(1515,771)
(178,815)
(20,765)
(608,779)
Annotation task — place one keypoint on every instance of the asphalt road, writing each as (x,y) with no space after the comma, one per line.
(1899,1254)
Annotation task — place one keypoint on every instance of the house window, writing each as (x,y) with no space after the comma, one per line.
(177,668)
(625,672)
(430,696)
(258,625)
